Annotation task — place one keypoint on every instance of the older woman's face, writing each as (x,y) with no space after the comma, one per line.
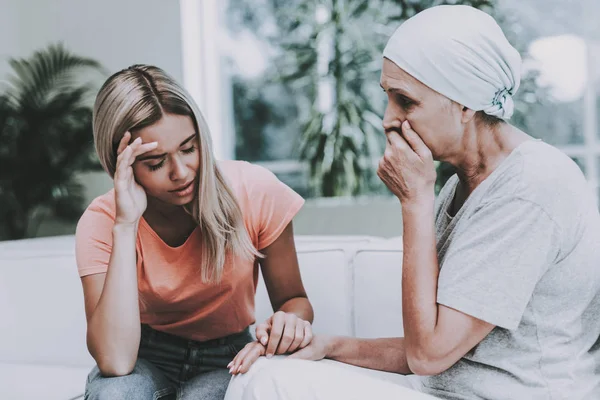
(435,118)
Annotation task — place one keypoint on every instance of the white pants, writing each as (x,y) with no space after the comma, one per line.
(281,379)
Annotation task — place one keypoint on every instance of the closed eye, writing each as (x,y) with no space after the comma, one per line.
(189,150)
(400,96)
(404,101)
(157,166)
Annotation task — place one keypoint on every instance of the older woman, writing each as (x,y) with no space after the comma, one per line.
(501,285)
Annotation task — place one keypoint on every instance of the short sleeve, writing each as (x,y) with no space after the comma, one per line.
(496,259)
(93,240)
(272,204)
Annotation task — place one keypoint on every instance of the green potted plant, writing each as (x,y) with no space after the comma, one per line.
(45,138)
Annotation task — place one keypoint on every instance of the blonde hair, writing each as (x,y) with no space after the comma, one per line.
(139,96)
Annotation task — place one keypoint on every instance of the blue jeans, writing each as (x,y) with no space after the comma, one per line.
(171,367)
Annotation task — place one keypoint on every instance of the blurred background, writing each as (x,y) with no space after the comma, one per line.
(292,85)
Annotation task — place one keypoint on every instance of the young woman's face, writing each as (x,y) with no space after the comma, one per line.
(435,118)
(169,172)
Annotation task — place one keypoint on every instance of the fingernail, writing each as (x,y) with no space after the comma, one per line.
(263,340)
(269,355)
(238,369)
(229,365)
(407,124)
(231,370)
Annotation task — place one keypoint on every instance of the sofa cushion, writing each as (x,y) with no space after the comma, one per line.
(378,290)
(43,318)
(37,246)
(354,284)
(335,239)
(327,279)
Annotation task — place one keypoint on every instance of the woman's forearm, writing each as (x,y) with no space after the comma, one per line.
(420,272)
(388,354)
(113,335)
(300,306)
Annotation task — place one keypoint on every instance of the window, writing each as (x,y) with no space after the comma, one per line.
(233,65)
(558,41)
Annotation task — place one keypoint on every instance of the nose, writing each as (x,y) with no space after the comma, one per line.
(392,119)
(178,170)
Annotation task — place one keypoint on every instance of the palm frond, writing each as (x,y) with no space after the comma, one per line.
(46,138)
(49,71)
(67,200)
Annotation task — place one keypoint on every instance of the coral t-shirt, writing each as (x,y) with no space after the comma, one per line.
(175,300)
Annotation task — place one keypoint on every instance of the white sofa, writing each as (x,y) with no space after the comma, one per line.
(352,281)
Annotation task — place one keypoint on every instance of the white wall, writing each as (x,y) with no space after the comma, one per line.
(117,33)
(8,33)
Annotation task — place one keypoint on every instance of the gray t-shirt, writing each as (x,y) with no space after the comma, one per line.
(523,254)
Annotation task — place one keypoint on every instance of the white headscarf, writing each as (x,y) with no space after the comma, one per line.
(461,53)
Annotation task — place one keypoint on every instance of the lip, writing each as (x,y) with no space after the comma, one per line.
(184,190)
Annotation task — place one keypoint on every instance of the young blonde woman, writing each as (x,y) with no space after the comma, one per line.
(169,258)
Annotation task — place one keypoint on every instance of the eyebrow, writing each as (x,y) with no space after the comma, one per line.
(395,90)
(158,156)
(401,92)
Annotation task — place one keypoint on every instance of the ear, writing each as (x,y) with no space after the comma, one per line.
(467,115)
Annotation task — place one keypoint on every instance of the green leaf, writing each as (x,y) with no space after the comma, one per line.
(67,200)
(360,9)
(45,138)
